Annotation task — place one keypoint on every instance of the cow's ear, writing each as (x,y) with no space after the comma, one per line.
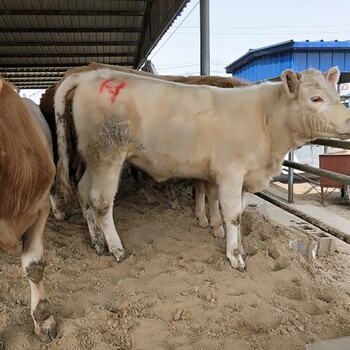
(290,82)
(332,75)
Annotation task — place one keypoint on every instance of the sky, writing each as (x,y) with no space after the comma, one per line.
(239,25)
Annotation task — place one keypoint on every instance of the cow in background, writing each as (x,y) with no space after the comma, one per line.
(26,176)
(236,138)
(36,113)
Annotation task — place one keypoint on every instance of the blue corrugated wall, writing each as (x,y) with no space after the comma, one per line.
(268,63)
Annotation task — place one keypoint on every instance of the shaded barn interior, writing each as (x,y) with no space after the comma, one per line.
(40,40)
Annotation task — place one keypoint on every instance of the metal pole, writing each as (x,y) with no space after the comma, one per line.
(345,179)
(204,33)
(331,143)
(290,178)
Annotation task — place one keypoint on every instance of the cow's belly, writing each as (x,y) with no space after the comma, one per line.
(162,167)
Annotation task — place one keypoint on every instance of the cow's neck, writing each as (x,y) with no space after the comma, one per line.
(284,123)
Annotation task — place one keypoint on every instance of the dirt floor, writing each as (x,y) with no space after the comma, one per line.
(176,290)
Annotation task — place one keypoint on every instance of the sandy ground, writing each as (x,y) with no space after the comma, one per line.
(176,290)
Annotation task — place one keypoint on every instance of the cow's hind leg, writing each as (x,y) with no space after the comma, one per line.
(104,185)
(214,209)
(200,211)
(97,238)
(33,265)
(56,204)
(149,189)
(169,185)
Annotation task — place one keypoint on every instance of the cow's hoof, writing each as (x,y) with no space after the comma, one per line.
(59,215)
(203,222)
(152,202)
(100,245)
(119,254)
(218,232)
(46,330)
(102,251)
(175,205)
(237,262)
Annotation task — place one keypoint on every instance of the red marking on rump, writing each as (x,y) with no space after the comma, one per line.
(113,90)
(103,85)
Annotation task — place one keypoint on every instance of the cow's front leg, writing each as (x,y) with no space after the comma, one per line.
(104,185)
(33,266)
(230,194)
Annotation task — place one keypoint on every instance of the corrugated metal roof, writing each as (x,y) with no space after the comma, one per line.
(268,62)
(40,40)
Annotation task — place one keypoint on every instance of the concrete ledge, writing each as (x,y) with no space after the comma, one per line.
(326,242)
(342,343)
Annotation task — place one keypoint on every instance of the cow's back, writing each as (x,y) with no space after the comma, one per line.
(39,117)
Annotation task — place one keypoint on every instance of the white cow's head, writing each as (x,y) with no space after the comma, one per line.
(317,104)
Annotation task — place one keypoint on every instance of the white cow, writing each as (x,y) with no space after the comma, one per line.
(236,138)
(38,116)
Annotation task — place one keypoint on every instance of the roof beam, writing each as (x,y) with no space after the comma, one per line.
(32,79)
(66,55)
(37,67)
(40,87)
(24,68)
(31,74)
(34,87)
(37,82)
(70,13)
(68,43)
(53,81)
(69,30)
(33,83)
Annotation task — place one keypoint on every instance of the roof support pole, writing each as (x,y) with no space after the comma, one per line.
(204,35)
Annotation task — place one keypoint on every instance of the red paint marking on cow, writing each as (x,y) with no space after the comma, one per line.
(103,85)
(116,90)
(112,90)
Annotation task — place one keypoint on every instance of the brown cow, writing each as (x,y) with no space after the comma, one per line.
(26,175)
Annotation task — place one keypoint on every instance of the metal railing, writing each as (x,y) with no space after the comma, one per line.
(313,170)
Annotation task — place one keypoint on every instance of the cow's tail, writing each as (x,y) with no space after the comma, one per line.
(62,173)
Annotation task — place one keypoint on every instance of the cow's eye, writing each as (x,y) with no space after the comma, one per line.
(316,99)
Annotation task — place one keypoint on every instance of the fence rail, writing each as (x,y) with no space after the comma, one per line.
(345,179)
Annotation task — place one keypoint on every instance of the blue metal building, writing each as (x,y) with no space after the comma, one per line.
(268,62)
